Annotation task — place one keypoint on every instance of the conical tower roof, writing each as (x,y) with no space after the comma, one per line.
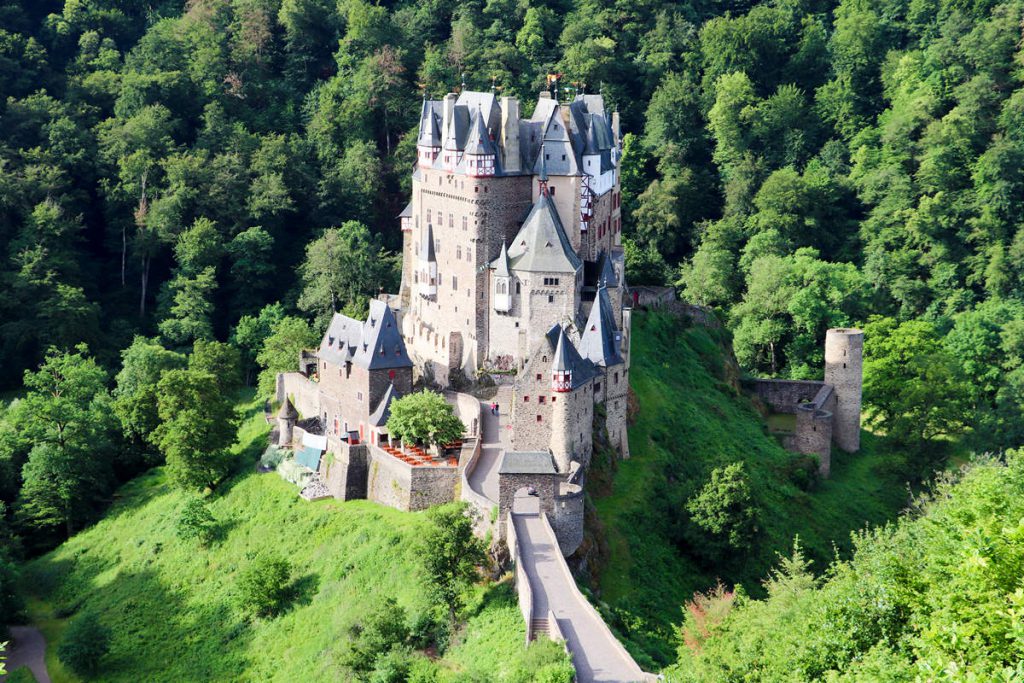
(287,410)
(600,340)
(500,264)
(542,245)
(562,362)
(479,141)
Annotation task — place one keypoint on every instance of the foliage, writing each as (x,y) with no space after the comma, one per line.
(86,642)
(424,417)
(196,522)
(281,348)
(197,425)
(263,586)
(451,554)
(173,611)
(950,567)
(725,512)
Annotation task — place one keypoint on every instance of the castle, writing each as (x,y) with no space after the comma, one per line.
(513,268)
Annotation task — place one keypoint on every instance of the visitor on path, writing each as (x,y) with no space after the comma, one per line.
(496,410)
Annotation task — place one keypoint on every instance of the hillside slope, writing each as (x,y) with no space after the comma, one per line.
(689,421)
(172,608)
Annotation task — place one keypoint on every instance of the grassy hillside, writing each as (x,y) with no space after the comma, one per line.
(172,606)
(689,421)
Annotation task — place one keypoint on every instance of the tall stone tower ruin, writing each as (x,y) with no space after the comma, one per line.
(844,361)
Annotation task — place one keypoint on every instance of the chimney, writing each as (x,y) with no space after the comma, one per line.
(510,155)
(448,114)
(615,129)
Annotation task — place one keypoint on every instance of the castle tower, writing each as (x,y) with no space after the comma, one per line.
(286,418)
(561,385)
(510,154)
(844,351)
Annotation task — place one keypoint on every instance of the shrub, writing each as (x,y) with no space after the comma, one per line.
(724,512)
(85,643)
(195,521)
(382,631)
(264,585)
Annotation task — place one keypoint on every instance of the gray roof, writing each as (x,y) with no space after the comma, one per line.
(428,247)
(407,211)
(479,140)
(541,245)
(430,124)
(601,339)
(561,362)
(375,344)
(500,264)
(287,410)
(582,369)
(382,412)
(527,462)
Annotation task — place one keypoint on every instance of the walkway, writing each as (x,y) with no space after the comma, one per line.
(28,648)
(496,439)
(596,654)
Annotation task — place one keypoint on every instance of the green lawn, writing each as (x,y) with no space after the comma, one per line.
(172,608)
(691,420)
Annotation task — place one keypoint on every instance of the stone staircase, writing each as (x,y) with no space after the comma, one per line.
(540,627)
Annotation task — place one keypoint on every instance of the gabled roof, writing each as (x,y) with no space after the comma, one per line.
(374,344)
(382,412)
(541,245)
(407,211)
(430,125)
(601,338)
(500,264)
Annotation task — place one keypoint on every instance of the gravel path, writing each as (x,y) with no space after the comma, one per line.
(28,648)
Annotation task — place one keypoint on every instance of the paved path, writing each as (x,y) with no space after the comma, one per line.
(28,648)
(596,654)
(496,438)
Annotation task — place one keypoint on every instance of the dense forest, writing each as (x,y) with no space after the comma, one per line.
(189,189)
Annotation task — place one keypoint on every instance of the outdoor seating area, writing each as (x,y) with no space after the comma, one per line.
(417,457)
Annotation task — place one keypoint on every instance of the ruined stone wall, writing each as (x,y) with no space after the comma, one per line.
(814,436)
(784,395)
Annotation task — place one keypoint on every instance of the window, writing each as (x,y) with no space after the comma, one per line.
(517,288)
(551,190)
(597,386)
(551,299)
(359,396)
(455,282)
(540,419)
(451,220)
(616,378)
(551,281)
(428,215)
(541,399)
(554,398)
(539,376)
(465,222)
(458,251)
(526,399)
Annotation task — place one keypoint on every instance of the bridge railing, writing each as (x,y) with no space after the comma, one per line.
(523,588)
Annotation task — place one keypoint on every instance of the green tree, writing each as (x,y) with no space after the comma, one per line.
(451,553)
(912,385)
(196,521)
(384,629)
(425,417)
(280,350)
(84,645)
(135,398)
(724,512)
(342,268)
(197,427)
(252,331)
(264,586)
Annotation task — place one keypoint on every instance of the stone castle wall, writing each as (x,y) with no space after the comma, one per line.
(844,359)
(567,519)
(303,393)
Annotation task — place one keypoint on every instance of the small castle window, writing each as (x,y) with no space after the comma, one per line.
(465,223)
(517,288)
(563,157)
(359,396)
(391,373)
(541,398)
(428,215)
(526,399)
(552,189)
(458,252)
(551,299)
(539,376)
(540,419)
(543,359)
(597,386)
(554,398)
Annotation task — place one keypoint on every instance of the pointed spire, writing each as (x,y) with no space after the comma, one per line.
(501,265)
(561,367)
(542,180)
(287,410)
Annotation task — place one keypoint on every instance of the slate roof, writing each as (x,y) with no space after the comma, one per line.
(601,339)
(407,211)
(582,369)
(427,249)
(287,410)
(541,245)
(527,462)
(501,264)
(479,140)
(600,271)
(382,412)
(430,124)
(374,344)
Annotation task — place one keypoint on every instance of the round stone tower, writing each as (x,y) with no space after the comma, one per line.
(286,418)
(561,386)
(844,358)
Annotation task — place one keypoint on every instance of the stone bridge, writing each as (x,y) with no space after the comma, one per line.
(548,595)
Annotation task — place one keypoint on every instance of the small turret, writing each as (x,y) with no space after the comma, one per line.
(428,264)
(286,418)
(561,368)
(480,152)
(502,281)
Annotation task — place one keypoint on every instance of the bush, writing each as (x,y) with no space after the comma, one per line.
(264,585)
(724,512)
(196,522)
(381,632)
(10,601)
(85,643)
